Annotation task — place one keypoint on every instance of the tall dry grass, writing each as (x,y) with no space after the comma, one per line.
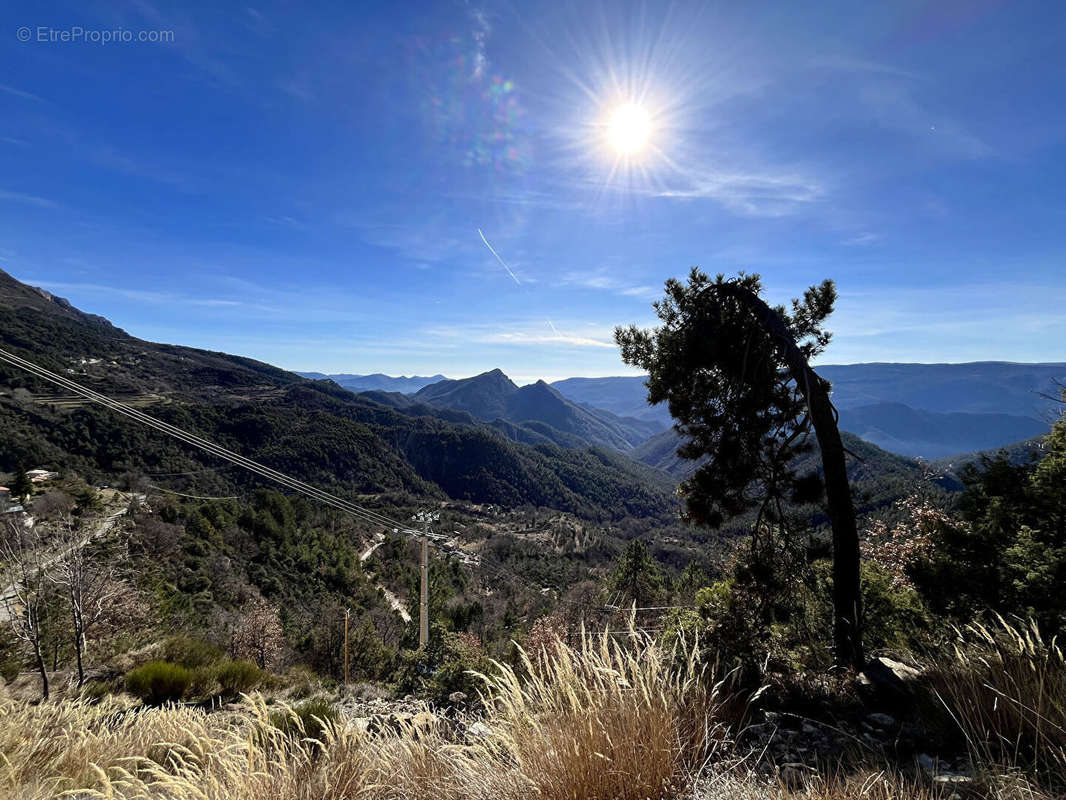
(602,721)
(610,720)
(1005,687)
(606,720)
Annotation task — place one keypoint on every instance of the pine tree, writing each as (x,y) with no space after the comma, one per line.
(736,375)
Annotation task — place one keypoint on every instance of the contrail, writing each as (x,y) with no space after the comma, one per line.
(493,251)
(513,276)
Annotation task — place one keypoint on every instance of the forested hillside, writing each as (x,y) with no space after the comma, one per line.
(314,429)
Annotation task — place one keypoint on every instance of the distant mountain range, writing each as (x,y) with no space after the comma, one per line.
(899,428)
(926,410)
(530,414)
(377,382)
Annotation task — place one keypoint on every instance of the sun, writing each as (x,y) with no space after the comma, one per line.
(629,129)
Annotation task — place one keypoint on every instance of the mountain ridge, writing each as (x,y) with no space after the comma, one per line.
(493,396)
(376,382)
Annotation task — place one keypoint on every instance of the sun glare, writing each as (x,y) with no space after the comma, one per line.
(629,129)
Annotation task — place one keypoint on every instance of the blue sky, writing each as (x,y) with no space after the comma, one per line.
(305,183)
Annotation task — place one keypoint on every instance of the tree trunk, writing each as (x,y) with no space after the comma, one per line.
(41,668)
(847,598)
(847,595)
(79,651)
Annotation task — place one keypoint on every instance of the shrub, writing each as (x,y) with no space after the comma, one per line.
(445,667)
(190,652)
(237,677)
(300,682)
(159,682)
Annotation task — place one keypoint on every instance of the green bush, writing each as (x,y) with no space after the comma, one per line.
(190,652)
(301,682)
(236,677)
(445,667)
(159,682)
(307,720)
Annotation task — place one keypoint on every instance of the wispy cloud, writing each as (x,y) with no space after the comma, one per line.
(525,333)
(481,34)
(895,106)
(196,45)
(144,296)
(979,321)
(27,199)
(22,94)
(862,239)
(601,280)
(287,222)
(751,194)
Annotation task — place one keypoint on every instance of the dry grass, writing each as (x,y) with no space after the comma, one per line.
(1005,688)
(611,720)
(607,720)
(604,721)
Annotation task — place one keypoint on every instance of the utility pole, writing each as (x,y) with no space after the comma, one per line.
(423,605)
(425,518)
(347,614)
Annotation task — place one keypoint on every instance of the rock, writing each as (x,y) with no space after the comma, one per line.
(479,730)
(455,698)
(952,779)
(927,763)
(360,724)
(884,721)
(888,677)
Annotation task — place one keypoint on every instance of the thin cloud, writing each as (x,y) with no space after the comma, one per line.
(758,195)
(523,333)
(862,239)
(142,296)
(27,199)
(600,280)
(20,93)
(514,337)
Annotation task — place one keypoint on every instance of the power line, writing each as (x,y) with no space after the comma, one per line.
(313,492)
(191,496)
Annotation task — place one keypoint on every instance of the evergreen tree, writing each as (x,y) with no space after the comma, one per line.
(636,575)
(22,488)
(736,375)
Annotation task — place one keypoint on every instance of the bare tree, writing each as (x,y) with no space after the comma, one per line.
(257,634)
(93,590)
(25,586)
